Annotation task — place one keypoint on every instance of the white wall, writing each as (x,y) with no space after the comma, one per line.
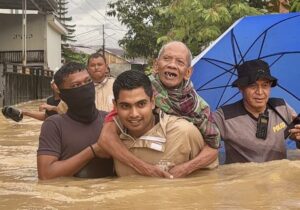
(11,32)
(53,48)
(40,36)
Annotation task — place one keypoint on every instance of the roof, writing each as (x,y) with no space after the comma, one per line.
(121,53)
(115,51)
(89,49)
(41,5)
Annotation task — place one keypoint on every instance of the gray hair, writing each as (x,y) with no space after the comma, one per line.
(189,56)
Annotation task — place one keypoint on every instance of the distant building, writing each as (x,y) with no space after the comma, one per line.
(30,49)
(43,40)
(115,59)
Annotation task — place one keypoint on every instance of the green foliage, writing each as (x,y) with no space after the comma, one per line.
(269,6)
(70,55)
(197,23)
(142,19)
(295,6)
(62,11)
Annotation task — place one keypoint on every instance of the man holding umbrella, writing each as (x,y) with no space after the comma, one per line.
(253,128)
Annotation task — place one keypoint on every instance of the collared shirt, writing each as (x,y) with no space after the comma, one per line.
(104,94)
(238,131)
(170,142)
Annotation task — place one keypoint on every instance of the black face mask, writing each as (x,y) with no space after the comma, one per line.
(81,103)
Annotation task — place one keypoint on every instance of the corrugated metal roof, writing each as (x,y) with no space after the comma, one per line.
(44,5)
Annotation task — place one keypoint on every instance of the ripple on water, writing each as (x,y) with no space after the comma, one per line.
(272,185)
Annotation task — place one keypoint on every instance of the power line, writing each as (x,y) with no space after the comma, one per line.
(87,32)
(95,17)
(91,31)
(112,38)
(85,12)
(91,37)
(92,26)
(105,18)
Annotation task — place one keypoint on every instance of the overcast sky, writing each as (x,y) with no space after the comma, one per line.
(89,16)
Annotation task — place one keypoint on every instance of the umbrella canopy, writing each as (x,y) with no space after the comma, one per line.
(273,38)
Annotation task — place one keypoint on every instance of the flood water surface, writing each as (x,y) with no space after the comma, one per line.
(272,185)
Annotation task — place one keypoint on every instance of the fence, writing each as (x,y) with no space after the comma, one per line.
(33,56)
(20,84)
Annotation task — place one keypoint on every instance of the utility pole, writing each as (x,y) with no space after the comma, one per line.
(24,32)
(103,41)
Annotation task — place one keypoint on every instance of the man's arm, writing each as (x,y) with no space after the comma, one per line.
(34,114)
(110,141)
(200,158)
(48,107)
(50,167)
(207,156)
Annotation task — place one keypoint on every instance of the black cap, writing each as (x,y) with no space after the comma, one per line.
(250,71)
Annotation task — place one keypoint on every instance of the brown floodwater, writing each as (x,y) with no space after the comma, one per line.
(272,185)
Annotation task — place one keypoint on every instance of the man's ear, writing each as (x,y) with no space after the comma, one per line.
(55,88)
(188,73)
(153,102)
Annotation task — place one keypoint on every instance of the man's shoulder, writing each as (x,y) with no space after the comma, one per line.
(110,80)
(109,83)
(233,110)
(275,102)
(53,123)
(56,118)
(102,115)
(179,128)
(176,123)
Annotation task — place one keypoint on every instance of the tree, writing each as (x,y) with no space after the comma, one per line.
(62,12)
(72,55)
(197,23)
(142,19)
(295,6)
(206,20)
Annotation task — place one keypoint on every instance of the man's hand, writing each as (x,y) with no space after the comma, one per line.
(179,171)
(204,159)
(99,151)
(46,106)
(153,171)
(295,133)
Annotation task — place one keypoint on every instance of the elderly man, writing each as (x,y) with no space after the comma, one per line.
(157,138)
(253,128)
(97,68)
(174,95)
(67,142)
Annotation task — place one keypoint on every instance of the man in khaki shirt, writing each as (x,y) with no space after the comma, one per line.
(159,139)
(97,69)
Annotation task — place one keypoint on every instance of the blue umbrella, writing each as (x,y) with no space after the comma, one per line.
(274,38)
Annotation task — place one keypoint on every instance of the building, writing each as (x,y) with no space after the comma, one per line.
(30,44)
(43,39)
(115,58)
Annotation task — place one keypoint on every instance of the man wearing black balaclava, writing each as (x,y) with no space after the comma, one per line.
(67,142)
